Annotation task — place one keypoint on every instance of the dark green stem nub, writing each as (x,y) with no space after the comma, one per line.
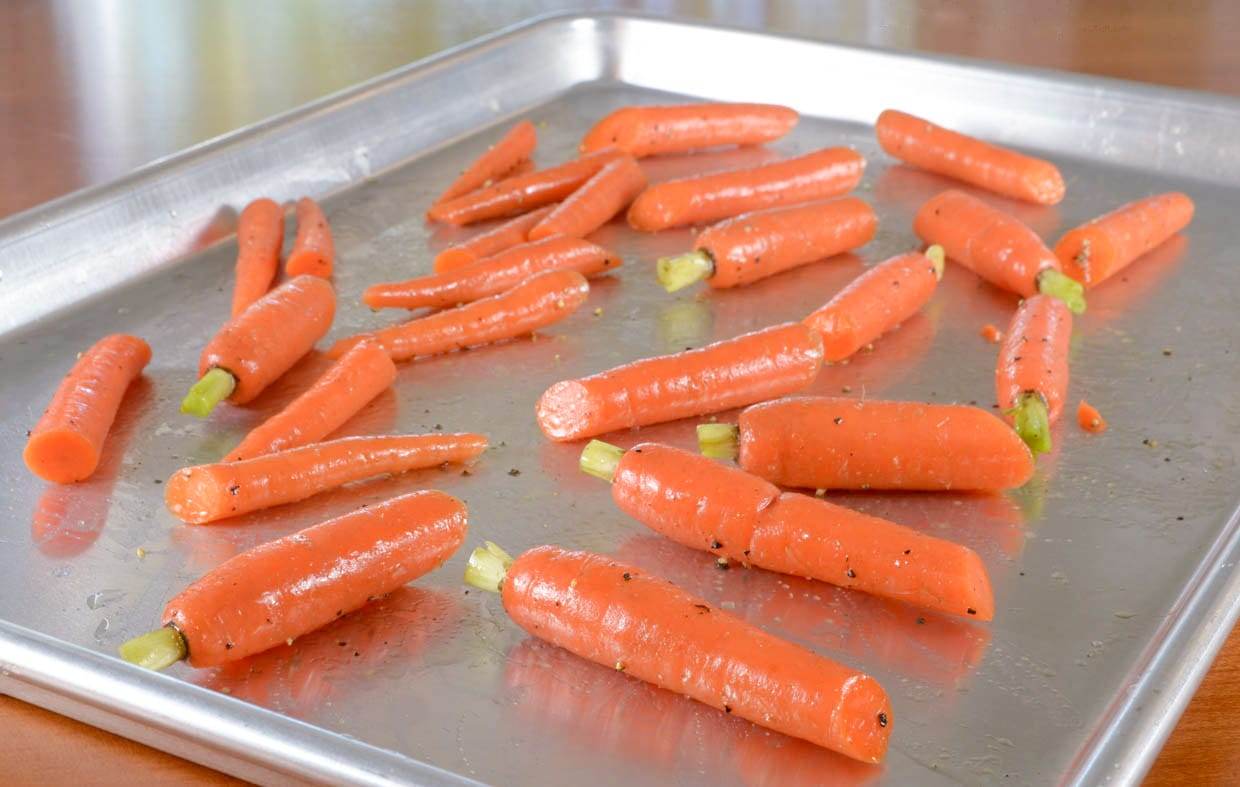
(718,441)
(1062,286)
(676,273)
(155,650)
(487,567)
(1032,421)
(214,387)
(601,459)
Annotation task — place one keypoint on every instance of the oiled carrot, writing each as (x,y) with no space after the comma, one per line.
(827,173)
(511,233)
(1096,250)
(1089,419)
(534,303)
(654,130)
(313,252)
(493,275)
(260,234)
(208,493)
(66,443)
(599,199)
(359,376)
(749,368)
(1031,376)
(285,588)
(514,147)
(1003,171)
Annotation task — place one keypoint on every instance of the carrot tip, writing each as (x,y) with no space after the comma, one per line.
(938,258)
(718,441)
(601,459)
(214,387)
(676,273)
(155,650)
(1064,287)
(1032,422)
(487,567)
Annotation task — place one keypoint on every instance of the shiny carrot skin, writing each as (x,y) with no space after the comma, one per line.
(1098,249)
(940,150)
(534,303)
(313,251)
(733,373)
(654,130)
(209,493)
(598,200)
(514,147)
(67,442)
(1034,355)
(493,275)
(260,235)
(821,175)
(511,233)
(360,375)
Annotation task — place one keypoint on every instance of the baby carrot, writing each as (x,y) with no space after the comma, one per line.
(995,246)
(1098,249)
(282,589)
(956,155)
(359,376)
(651,131)
(498,160)
(534,303)
(208,493)
(827,173)
(260,234)
(619,616)
(492,275)
(599,199)
(876,301)
(749,368)
(756,245)
(263,342)
(1089,419)
(66,443)
(511,233)
(1031,377)
(313,250)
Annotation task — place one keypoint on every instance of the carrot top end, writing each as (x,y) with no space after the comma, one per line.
(676,273)
(1032,422)
(155,650)
(718,441)
(600,459)
(487,567)
(1064,287)
(214,387)
(938,258)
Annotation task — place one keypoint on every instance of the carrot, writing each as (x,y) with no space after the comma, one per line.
(534,303)
(501,158)
(208,493)
(599,199)
(756,245)
(359,376)
(66,443)
(824,442)
(995,246)
(826,173)
(1089,419)
(313,250)
(876,302)
(254,348)
(1031,377)
(282,589)
(505,236)
(616,615)
(492,275)
(991,334)
(1096,250)
(733,373)
(742,518)
(651,131)
(522,193)
(956,155)
(260,234)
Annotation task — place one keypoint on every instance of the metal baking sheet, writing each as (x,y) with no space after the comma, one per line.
(1113,569)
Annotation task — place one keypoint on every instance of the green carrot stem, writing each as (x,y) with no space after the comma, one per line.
(214,387)
(487,567)
(718,441)
(676,273)
(1032,421)
(600,459)
(938,258)
(1064,287)
(155,650)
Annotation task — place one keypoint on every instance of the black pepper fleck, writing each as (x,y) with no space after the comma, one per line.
(514,471)
(838,420)
(850,574)
(971,611)
(716,545)
(921,621)
(627,576)
(882,719)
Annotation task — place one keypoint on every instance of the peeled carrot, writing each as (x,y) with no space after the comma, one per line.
(208,493)
(599,199)
(260,234)
(66,443)
(498,160)
(313,250)
(756,245)
(821,175)
(651,131)
(505,236)
(1089,419)
(749,368)
(616,615)
(534,303)
(285,588)
(493,275)
(1031,377)
(956,155)
(995,246)
(1098,249)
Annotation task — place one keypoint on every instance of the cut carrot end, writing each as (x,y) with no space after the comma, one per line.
(676,273)
(155,650)
(214,387)
(1032,422)
(938,258)
(487,567)
(1064,287)
(1089,419)
(601,459)
(718,441)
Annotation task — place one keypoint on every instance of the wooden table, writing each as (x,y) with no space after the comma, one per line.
(57,134)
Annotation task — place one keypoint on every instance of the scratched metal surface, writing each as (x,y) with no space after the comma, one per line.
(1112,569)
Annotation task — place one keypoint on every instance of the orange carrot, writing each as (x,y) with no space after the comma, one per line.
(501,158)
(505,236)
(534,303)
(991,334)
(599,199)
(1031,377)
(651,131)
(66,443)
(1098,249)
(733,373)
(260,234)
(313,250)
(493,275)
(1089,419)
(821,175)
(946,152)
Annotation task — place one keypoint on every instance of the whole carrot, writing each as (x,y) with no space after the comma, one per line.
(654,130)
(313,251)
(514,147)
(1096,250)
(511,233)
(208,493)
(285,588)
(956,155)
(756,245)
(733,373)
(599,199)
(827,173)
(260,234)
(1031,377)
